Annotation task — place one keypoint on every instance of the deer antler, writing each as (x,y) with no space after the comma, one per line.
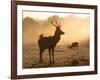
(52,22)
(59,24)
(55,23)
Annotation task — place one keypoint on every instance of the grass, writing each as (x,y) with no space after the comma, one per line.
(63,57)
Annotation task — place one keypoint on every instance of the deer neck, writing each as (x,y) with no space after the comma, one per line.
(56,37)
(70,46)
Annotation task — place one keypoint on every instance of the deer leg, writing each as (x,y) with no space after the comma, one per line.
(77,50)
(77,47)
(50,55)
(41,60)
(53,55)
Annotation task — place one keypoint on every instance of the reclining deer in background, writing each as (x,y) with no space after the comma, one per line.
(50,42)
(73,45)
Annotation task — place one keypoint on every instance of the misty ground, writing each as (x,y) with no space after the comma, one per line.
(63,56)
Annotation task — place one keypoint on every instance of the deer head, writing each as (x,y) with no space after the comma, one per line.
(57,25)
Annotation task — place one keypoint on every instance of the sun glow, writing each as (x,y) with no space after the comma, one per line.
(44,15)
(76,26)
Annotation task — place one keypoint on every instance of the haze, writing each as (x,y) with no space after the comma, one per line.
(75,26)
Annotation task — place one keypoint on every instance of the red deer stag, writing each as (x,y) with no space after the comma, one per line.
(73,45)
(50,42)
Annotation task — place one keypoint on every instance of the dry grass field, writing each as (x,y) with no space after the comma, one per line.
(63,56)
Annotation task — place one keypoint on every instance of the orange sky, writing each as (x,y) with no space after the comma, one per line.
(76,27)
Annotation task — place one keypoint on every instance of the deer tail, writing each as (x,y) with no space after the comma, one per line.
(41,35)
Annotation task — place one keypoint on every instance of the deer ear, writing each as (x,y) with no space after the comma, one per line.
(59,26)
(56,27)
